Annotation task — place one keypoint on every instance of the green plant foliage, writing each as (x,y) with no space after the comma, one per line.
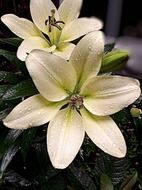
(129,182)
(105,183)
(80,179)
(9,77)
(24,161)
(20,90)
(10,41)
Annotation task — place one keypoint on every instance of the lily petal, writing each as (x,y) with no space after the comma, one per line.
(69,10)
(104,133)
(40,10)
(87,55)
(33,111)
(64,137)
(109,94)
(20,26)
(80,27)
(52,75)
(64,50)
(30,44)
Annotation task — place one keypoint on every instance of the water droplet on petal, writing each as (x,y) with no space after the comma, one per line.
(90,47)
(30,124)
(28,109)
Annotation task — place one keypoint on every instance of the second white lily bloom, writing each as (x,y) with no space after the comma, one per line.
(61,26)
(74,99)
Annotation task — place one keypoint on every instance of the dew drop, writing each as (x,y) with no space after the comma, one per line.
(105,112)
(114,145)
(20,111)
(29,109)
(90,47)
(30,124)
(39,113)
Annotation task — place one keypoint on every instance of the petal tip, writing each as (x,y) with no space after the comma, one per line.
(121,151)
(59,166)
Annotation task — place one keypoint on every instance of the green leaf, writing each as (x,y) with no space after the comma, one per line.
(7,158)
(20,90)
(11,57)
(28,136)
(9,77)
(4,88)
(106,183)
(56,183)
(116,168)
(4,113)
(11,41)
(119,169)
(9,140)
(129,182)
(12,135)
(16,179)
(80,179)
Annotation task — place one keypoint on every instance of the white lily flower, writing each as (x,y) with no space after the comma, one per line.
(52,30)
(89,100)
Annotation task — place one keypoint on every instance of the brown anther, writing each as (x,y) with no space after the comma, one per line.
(52,21)
(76,101)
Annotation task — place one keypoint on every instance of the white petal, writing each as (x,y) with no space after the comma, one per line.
(30,44)
(69,10)
(80,27)
(40,11)
(109,94)
(87,56)
(20,26)
(64,50)
(33,111)
(52,75)
(104,133)
(64,137)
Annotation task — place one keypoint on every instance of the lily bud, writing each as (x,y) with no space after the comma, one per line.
(114,60)
(135,112)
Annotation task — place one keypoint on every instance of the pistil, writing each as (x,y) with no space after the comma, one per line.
(52,21)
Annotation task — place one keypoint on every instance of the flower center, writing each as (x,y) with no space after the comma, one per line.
(76,101)
(52,21)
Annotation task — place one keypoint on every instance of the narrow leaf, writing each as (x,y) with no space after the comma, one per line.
(20,90)
(9,77)
(4,88)
(4,113)
(11,41)
(28,136)
(11,57)
(80,179)
(7,158)
(12,135)
(129,182)
(106,183)
(18,180)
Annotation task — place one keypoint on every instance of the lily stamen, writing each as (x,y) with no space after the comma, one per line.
(52,21)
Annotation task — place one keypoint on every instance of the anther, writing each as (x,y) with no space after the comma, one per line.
(52,21)
(76,101)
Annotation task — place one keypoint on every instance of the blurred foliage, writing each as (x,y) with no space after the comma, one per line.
(24,161)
